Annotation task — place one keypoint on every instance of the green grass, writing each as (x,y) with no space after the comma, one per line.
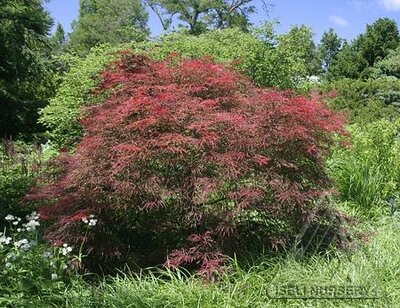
(361,183)
(375,264)
(367,173)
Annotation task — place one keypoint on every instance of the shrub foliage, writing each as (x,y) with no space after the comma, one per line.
(187,161)
(365,101)
(19,165)
(270,60)
(368,173)
(61,116)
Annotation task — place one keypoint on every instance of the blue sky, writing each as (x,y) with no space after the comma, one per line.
(347,17)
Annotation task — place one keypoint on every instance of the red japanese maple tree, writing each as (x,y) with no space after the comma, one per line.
(186,161)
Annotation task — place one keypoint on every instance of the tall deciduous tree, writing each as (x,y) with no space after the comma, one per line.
(108,21)
(199,15)
(300,41)
(379,38)
(329,47)
(24,26)
(349,63)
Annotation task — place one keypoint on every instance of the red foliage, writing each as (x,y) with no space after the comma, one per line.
(188,149)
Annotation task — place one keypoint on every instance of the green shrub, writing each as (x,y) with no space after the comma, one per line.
(368,172)
(253,159)
(365,101)
(269,59)
(390,65)
(61,116)
(19,164)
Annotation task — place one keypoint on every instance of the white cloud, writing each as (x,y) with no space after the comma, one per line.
(391,5)
(340,21)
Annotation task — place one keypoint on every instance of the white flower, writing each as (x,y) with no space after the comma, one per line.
(10,217)
(5,240)
(33,223)
(32,216)
(25,247)
(66,249)
(92,222)
(54,276)
(8,264)
(16,220)
(64,266)
(23,244)
(46,254)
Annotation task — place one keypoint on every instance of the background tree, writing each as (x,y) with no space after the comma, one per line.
(329,47)
(108,21)
(200,15)
(24,70)
(293,55)
(58,39)
(390,66)
(349,63)
(301,41)
(379,38)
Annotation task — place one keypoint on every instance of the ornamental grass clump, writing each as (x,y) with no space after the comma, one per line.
(186,162)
